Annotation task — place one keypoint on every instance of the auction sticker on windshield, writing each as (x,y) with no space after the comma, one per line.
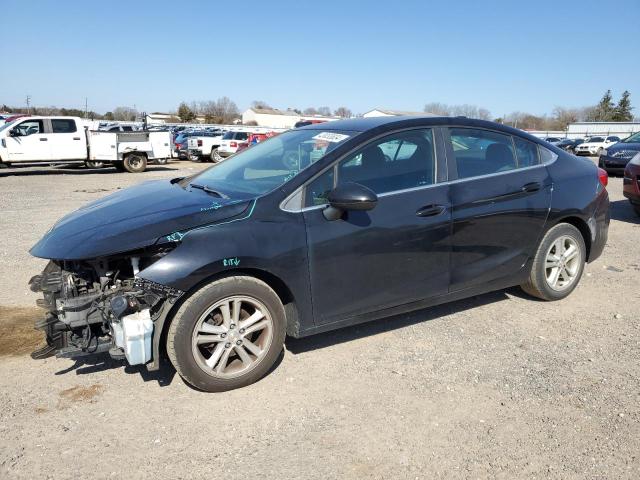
(331,137)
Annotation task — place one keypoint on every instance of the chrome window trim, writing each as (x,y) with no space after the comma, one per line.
(298,191)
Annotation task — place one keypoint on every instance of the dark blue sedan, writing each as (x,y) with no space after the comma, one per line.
(318,228)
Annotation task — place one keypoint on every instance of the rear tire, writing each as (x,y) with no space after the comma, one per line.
(558,264)
(214,353)
(135,163)
(215,156)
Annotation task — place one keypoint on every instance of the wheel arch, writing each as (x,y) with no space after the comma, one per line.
(273,281)
(583,228)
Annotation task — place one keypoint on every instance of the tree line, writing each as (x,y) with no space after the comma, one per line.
(605,111)
(225,111)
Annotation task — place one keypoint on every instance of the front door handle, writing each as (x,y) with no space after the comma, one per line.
(43,139)
(76,138)
(430,210)
(531,187)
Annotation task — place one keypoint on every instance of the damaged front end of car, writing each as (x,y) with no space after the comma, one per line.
(98,305)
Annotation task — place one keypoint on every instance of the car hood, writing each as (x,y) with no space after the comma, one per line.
(624,146)
(133,218)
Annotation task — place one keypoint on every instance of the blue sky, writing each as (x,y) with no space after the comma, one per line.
(502,55)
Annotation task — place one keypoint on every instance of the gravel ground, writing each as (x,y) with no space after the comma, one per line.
(499,385)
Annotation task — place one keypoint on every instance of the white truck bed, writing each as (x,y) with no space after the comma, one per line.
(113,146)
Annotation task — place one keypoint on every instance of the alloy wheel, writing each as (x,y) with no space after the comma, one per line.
(232,336)
(562,263)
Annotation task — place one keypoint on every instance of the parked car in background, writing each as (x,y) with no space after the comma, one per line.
(254,139)
(201,146)
(552,140)
(216,268)
(594,146)
(631,182)
(119,128)
(568,144)
(229,144)
(180,144)
(614,158)
(304,123)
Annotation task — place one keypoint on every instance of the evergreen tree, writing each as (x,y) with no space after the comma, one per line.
(605,109)
(622,112)
(185,113)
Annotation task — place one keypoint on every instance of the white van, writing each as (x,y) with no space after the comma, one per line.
(36,139)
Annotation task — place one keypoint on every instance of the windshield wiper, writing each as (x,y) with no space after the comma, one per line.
(209,190)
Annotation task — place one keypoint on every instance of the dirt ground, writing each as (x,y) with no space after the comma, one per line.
(499,385)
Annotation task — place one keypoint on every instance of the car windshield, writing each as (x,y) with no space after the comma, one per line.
(6,125)
(269,164)
(635,138)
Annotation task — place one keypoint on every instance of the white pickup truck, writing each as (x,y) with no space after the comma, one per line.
(37,139)
(202,147)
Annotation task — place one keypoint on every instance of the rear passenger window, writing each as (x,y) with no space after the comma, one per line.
(546,155)
(527,152)
(63,125)
(481,152)
(396,162)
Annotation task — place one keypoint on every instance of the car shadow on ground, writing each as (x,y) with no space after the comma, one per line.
(623,211)
(101,362)
(375,327)
(74,170)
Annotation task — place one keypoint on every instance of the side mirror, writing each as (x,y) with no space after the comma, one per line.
(14,133)
(349,196)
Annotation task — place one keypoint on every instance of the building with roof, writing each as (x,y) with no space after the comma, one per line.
(274,118)
(379,112)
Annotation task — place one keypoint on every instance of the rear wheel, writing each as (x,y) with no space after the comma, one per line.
(558,264)
(215,156)
(135,163)
(227,334)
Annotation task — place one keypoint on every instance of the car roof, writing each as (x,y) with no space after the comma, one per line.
(365,124)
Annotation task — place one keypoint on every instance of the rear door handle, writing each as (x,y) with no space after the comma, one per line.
(76,138)
(531,187)
(43,139)
(430,210)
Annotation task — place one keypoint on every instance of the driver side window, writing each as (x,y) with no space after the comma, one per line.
(29,127)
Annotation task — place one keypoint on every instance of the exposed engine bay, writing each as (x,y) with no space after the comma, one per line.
(99,305)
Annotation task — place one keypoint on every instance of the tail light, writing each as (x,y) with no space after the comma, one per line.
(199,143)
(603,176)
(233,144)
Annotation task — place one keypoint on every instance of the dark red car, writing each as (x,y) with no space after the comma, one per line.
(631,188)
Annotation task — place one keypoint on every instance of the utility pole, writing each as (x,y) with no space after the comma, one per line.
(86,106)
(28,104)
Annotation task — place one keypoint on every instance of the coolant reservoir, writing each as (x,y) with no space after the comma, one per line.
(137,330)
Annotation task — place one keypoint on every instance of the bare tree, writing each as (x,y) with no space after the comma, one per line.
(125,113)
(260,104)
(310,111)
(438,109)
(343,112)
(325,111)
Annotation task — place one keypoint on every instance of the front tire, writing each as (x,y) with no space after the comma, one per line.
(215,156)
(227,335)
(558,264)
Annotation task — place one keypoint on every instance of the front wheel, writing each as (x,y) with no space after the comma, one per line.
(227,334)
(558,264)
